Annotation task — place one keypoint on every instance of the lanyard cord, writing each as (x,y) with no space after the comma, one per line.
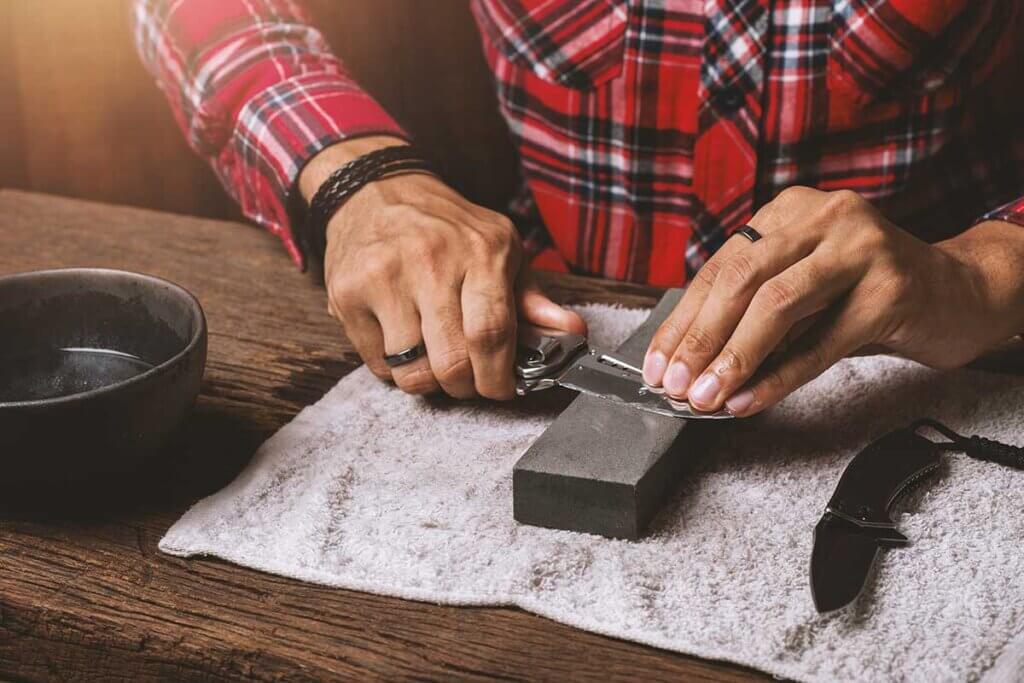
(976,447)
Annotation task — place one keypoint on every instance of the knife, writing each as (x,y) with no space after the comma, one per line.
(548,358)
(857,522)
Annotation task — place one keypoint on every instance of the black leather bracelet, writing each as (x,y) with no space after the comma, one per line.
(351,178)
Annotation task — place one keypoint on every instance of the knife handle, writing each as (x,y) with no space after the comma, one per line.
(879,474)
(542,352)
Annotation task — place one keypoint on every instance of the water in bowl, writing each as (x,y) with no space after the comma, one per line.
(50,373)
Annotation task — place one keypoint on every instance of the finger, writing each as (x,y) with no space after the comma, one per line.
(796,332)
(801,291)
(363,330)
(535,307)
(835,336)
(738,284)
(401,329)
(446,344)
(670,333)
(489,323)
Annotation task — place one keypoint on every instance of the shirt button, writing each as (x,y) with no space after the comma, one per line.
(729,100)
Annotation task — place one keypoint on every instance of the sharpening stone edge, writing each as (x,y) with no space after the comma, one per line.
(601,467)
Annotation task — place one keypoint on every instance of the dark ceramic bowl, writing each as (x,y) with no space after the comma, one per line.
(97,368)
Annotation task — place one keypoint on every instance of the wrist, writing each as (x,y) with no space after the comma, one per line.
(992,255)
(349,179)
(330,159)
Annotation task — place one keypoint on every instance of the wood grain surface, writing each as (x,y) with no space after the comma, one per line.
(88,597)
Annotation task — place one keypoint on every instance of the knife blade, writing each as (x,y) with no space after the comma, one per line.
(857,522)
(553,358)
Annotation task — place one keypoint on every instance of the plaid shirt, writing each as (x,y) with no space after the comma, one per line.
(648,130)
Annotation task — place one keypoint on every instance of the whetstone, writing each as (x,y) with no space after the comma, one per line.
(602,467)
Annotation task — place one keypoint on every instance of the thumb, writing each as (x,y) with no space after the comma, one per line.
(535,307)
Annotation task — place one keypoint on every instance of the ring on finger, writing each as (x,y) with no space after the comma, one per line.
(749,232)
(393,360)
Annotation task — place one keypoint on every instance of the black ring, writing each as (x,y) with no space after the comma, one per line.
(749,233)
(410,354)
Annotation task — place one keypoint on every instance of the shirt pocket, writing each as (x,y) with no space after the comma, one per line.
(575,43)
(891,50)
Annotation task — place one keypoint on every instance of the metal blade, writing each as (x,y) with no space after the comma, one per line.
(841,561)
(611,378)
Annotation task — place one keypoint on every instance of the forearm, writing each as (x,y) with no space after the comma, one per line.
(994,252)
(257,92)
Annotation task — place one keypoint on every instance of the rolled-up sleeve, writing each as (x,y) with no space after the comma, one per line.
(1012,212)
(257,92)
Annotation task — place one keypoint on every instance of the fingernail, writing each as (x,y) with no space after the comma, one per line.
(705,389)
(677,379)
(654,368)
(738,403)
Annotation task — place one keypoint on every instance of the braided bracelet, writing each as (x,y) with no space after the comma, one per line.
(351,178)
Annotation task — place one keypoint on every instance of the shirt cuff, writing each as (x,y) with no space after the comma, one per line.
(279,130)
(1011,213)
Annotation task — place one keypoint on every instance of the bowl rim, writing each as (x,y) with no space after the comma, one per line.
(198,317)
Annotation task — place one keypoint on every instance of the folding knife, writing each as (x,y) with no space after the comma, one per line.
(548,358)
(857,522)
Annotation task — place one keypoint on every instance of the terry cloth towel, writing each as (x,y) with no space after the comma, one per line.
(374,490)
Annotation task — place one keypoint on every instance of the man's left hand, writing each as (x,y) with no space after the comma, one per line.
(830,278)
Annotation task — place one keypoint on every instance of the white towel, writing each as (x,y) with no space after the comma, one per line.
(373,490)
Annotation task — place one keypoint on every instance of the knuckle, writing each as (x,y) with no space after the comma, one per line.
(379,264)
(671,330)
(504,228)
(453,368)
(417,381)
(496,239)
(737,274)
(873,239)
(479,239)
(668,336)
(707,275)
(380,370)
(771,215)
(734,361)
(430,242)
(699,341)
(345,294)
(489,333)
(838,205)
(844,200)
(777,297)
(792,195)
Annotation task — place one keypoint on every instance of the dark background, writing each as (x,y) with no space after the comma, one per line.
(80,116)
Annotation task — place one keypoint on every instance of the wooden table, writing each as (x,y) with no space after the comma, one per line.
(92,598)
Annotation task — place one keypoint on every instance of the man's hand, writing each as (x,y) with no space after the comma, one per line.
(409,260)
(832,277)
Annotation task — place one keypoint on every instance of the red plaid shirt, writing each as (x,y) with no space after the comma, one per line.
(648,129)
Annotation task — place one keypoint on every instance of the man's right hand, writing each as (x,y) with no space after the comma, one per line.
(409,260)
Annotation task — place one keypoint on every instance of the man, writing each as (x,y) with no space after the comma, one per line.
(650,131)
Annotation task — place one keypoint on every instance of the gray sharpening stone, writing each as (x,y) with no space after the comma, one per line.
(601,467)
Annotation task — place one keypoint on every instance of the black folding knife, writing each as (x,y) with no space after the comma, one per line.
(857,522)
